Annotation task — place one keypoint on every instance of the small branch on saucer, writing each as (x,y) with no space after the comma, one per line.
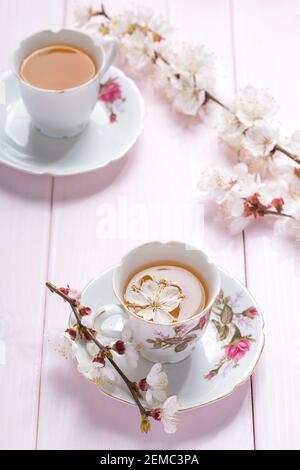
(158,379)
(106,350)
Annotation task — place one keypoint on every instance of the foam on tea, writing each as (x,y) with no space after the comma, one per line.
(165,293)
(58,67)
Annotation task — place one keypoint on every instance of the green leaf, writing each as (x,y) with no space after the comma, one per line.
(171,341)
(181,346)
(190,338)
(223,332)
(217,325)
(151,340)
(226,315)
(236,336)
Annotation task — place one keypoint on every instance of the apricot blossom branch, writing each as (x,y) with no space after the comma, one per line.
(165,412)
(107,351)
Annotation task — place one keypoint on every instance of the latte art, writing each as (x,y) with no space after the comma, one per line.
(165,294)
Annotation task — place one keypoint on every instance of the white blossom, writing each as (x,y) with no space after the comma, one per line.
(92,348)
(230,188)
(293,143)
(168,414)
(290,227)
(140,33)
(230,129)
(142,19)
(82,14)
(131,352)
(273,189)
(63,344)
(218,183)
(249,130)
(75,294)
(157,381)
(138,48)
(280,168)
(254,105)
(97,373)
(260,140)
(154,299)
(184,76)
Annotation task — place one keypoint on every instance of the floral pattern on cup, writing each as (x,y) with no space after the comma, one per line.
(229,323)
(184,336)
(112,96)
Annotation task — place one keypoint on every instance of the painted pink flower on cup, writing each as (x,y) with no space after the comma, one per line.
(236,351)
(228,324)
(202,322)
(111,95)
(211,374)
(111,92)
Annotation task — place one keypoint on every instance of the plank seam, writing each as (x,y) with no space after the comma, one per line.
(45,309)
(234,63)
(64,21)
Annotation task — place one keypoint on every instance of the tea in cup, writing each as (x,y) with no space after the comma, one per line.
(59,75)
(165,292)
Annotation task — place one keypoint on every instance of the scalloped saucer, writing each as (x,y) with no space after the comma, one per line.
(24,147)
(215,367)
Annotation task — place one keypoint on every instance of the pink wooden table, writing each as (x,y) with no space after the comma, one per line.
(55,228)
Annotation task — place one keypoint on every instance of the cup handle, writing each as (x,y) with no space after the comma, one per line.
(114,43)
(106,312)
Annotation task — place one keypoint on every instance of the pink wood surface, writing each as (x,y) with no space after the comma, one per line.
(267,58)
(59,230)
(25,203)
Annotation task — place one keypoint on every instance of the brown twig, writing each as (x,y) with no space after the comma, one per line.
(74,306)
(281,149)
(210,97)
(101,12)
(280,214)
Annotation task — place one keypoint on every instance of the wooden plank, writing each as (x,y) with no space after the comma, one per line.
(158,176)
(267,45)
(25,203)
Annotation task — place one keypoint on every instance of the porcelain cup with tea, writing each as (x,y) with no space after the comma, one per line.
(161,342)
(63,112)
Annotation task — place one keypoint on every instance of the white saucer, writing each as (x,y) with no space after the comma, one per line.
(189,378)
(24,147)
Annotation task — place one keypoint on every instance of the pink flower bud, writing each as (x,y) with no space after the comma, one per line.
(253,206)
(278,203)
(64,290)
(143,385)
(85,311)
(99,359)
(156,414)
(72,333)
(119,347)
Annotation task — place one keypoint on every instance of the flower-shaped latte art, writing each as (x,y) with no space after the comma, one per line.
(155,300)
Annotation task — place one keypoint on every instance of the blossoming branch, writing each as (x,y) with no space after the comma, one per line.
(185,74)
(155,404)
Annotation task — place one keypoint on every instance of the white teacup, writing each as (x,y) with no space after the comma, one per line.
(63,113)
(161,342)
